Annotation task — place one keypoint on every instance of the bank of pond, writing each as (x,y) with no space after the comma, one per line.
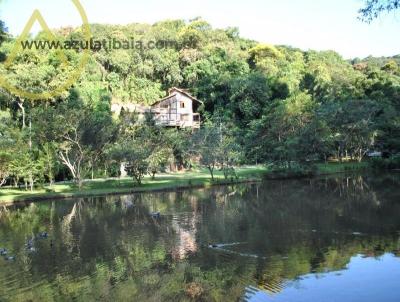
(185,180)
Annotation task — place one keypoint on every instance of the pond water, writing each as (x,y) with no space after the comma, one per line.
(327,239)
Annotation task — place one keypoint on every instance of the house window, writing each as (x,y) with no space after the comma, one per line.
(185,118)
(182,105)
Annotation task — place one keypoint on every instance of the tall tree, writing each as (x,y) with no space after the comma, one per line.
(81,132)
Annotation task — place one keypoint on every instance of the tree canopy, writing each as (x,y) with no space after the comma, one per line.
(269,104)
(374,8)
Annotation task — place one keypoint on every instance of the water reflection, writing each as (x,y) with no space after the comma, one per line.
(259,241)
(380,274)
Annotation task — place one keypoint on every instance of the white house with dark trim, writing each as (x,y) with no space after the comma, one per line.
(178,109)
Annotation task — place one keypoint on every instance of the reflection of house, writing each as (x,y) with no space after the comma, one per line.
(178,109)
(185,226)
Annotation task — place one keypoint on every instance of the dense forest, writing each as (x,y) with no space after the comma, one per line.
(262,104)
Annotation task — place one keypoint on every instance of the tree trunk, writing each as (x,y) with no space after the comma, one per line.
(225,170)
(80,182)
(16,181)
(138,180)
(211,169)
(31,182)
(20,104)
(74,168)
(360,157)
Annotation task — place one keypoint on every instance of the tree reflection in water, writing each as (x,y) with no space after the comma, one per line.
(111,248)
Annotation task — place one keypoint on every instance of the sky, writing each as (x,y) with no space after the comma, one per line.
(306,24)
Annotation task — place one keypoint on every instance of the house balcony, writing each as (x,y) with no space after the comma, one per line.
(178,121)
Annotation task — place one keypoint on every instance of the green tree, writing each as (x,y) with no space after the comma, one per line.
(276,137)
(215,149)
(158,160)
(27,166)
(5,169)
(374,8)
(81,133)
(137,148)
(3,37)
(353,125)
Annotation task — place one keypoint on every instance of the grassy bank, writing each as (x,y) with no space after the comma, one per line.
(336,167)
(98,187)
(297,171)
(170,181)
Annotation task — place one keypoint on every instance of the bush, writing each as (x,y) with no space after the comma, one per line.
(296,170)
(230,172)
(386,163)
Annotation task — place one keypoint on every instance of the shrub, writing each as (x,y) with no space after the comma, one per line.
(295,170)
(386,163)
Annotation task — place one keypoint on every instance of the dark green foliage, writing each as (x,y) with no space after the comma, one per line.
(262,104)
(386,163)
(373,8)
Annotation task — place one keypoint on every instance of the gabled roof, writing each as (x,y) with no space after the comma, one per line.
(163,99)
(173,91)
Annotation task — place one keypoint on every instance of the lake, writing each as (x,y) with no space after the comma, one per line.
(334,238)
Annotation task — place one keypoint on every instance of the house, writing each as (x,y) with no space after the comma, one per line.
(178,109)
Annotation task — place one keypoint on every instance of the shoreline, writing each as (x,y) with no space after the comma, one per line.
(122,186)
(82,194)
(165,183)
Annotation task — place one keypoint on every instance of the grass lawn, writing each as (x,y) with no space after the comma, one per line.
(171,181)
(336,167)
(126,185)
